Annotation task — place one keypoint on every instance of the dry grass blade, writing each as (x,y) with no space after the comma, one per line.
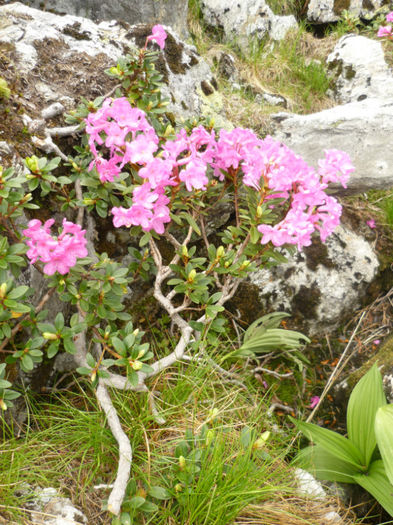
(294,511)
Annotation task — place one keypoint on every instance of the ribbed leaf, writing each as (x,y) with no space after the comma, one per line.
(377,484)
(334,443)
(366,398)
(384,435)
(325,466)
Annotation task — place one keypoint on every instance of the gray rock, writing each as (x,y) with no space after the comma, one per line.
(51,509)
(324,11)
(322,285)
(172,13)
(358,69)
(362,129)
(271,99)
(64,57)
(245,20)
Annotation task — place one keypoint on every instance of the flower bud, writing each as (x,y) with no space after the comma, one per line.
(178,487)
(93,375)
(3,406)
(50,336)
(15,315)
(227,264)
(141,354)
(88,202)
(136,365)
(184,251)
(135,332)
(261,442)
(244,265)
(259,211)
(182,463)
(210,434)
(220,251)
(191,276)
(3,290)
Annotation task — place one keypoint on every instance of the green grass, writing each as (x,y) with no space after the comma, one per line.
(67,445)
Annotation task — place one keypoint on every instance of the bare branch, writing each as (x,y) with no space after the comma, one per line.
(117,494)
(271,372)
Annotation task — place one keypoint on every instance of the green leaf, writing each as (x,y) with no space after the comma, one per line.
(27,363)
(159,493)
(17,292)
(376,482)
(84,371)
(118,345)
(364,401)
(5,384)
(69,345)
(191,222)
(125,519)
(135,502)
(59,322)
(90,360)
(148,506)
(324,465)
(384,435)
(52,350)
(337,445)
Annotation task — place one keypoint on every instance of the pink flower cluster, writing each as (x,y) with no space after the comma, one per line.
(386,31)
(194,160)
(58,253)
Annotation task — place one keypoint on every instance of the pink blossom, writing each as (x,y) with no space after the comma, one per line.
(389,17)
(59,254)
(314,401)
(335,167)
(384,31)
(158,34)
(376,342)
(194,175)
(371,224)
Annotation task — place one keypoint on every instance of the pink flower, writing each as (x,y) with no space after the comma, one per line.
(194,175)
(159,35)
(371,224)
(335,167)
(389,17)
(314,401)
(376,341)
(59,254)
(384,31)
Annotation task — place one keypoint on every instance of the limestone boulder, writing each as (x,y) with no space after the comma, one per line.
(48,58)
(172,13)
(320,287)
(362,129)
(242,21)
(325,11)
(358,70)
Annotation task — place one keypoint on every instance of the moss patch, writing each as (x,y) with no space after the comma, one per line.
(340,5)
(76,74)
(317,254)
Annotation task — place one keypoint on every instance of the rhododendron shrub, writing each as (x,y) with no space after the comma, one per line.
(196,161)
(202,208)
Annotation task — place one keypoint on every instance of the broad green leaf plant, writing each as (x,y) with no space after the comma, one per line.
(364,457)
